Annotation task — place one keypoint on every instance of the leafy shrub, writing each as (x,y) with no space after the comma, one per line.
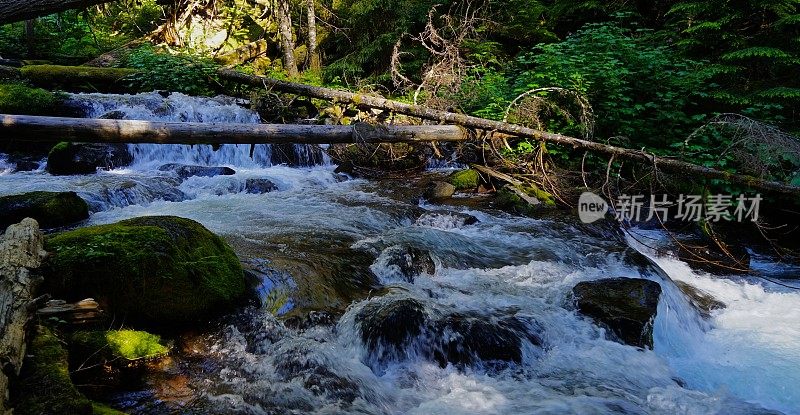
(189,74)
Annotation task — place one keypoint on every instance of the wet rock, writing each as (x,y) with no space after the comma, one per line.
(296,155)
(184,171)
(467,179)
(703,302)
(627,306)
(388,327)
(446,220)
(439,190)
(73,158)
(157,270)
(402,263)
(259,186)
(394,329)
(464,339)
(50,209)
(302,365)
(310,320)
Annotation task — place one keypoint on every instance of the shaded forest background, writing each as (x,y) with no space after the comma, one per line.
(665,76)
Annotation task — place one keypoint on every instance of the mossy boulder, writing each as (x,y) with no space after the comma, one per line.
(467,179)
(626,306)
(17,98)
(511,199)
(45,386)
(50,209)
(101,409)
(156,270)
(78,78)
(82,158)
(119,344)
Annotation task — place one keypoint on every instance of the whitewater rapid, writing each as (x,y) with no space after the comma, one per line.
(743,359)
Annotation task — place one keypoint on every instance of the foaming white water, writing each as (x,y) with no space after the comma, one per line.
(177,107)
(749,348)
(5,166)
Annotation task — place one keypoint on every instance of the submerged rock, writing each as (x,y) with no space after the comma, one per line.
(153,269)
(82,158)
(258,186)
(627,306)
(403,263)
(50,209)
(445,220)
(45,386)
(184,171)
(702,301)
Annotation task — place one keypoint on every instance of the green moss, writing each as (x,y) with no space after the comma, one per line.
(465,179)
(100,409)
(508,200)
(125,344)
(155,269)
(16,98)
(84,78)
(45,386)
(50,209)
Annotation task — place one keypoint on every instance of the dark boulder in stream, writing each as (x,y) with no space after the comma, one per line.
(395,329)
(259,186)
(50,209)
(184,171)
(81,158)
(157,270)
(627,306)
(406,263)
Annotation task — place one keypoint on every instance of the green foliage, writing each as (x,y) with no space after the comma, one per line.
(18,98)
(190,74)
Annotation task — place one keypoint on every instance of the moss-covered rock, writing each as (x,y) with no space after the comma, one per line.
(119,344)
(50,209)
(101,409)
(153,269)
(83,158)
(45,386)
(467,179)
(17,98)
(77,78)
(510,200)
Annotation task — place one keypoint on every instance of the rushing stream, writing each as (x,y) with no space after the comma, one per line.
(744,359)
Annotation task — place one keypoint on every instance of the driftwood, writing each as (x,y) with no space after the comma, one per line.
(370,101)
(77,314)
(55,129)
(21,250)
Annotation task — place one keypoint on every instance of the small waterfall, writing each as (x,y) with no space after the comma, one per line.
(177,107)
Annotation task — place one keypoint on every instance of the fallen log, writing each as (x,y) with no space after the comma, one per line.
(370,101)
(56,129)
(77,77)
(18,10)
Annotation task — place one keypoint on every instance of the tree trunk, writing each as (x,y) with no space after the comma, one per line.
(21,250)
(17,10)
(287,43)
(55,129)
(313,57)
(371,101)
